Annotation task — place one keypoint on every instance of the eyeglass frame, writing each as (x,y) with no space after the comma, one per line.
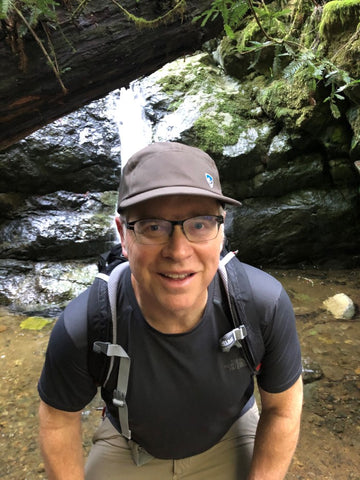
(220,220)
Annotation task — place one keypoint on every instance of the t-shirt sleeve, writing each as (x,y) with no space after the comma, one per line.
(281,364)
(65,382)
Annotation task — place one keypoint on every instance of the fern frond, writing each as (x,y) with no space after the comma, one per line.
(5,8)
(291,69)
(232,13)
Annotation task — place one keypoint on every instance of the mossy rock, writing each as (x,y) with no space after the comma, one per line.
(35,323)
(286,102)
(337,16)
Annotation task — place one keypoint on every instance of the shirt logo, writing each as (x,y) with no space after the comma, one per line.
(209,180)
(235,364)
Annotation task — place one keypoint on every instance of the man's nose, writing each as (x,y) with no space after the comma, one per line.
(178,246)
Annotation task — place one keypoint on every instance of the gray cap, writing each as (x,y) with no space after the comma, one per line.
(169,168)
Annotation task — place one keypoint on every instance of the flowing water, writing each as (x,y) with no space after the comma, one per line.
(329,447)
(126,106)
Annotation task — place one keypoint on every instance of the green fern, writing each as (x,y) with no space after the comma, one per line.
(232,12)
(5,8)
(272,25)
(33,10)
(38,9)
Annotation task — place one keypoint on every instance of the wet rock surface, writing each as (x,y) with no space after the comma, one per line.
(329,447)
(79,153)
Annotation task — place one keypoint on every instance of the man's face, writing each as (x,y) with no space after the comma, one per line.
(171,280)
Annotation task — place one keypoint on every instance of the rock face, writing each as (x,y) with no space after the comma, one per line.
(57,203)
(295,176)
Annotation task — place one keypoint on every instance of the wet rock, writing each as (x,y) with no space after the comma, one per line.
(342,172)
(286,229)
(340,306)
(43,286)
(311,370)
(61,225)
(334,373)
(79,153)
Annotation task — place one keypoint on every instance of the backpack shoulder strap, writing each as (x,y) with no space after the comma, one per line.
(102,316)
(109,289)
(247,333)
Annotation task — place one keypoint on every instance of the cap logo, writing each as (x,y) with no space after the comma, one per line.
(209,180)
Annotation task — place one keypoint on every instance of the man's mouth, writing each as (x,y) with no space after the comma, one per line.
(177,276)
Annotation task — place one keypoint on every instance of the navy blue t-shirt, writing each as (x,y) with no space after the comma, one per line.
(184,393)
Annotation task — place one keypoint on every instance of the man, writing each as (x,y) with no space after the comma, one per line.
(192,413)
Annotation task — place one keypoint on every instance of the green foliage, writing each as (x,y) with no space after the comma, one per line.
(339,81)
(5,6)
(271,17)
(231,12)
(271,27)
(33,10)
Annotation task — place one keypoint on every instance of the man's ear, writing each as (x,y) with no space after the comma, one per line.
(120,229)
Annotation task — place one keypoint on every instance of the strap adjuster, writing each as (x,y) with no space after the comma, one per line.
(119,399)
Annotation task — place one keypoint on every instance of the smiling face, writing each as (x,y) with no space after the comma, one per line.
(170,280)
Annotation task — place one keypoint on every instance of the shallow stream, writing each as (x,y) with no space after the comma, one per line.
(329,446)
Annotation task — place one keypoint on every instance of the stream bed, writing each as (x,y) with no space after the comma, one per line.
(329,446)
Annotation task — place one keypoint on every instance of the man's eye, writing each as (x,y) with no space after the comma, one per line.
(198,226)
(151,227)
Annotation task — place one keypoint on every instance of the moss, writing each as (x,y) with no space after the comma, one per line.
(208,134)
(248,33)
(140,22)
(345,52)
(216,128)
(109,198)
(35,323)
(338,14)
(190,77)
(175,83)
(287,102)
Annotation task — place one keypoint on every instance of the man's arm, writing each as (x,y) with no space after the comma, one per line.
(277,433)
(61,443)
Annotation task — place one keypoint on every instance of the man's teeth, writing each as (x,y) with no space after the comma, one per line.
(177,276)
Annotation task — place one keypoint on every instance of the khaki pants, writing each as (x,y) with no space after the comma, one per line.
(110,457)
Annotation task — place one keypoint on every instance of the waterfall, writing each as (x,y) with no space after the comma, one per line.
(127,106)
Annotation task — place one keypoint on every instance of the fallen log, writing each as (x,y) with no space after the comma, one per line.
(90,53)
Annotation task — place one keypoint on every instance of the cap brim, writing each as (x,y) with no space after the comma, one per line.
(175,190)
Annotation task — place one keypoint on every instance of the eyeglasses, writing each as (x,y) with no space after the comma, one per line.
(155,231)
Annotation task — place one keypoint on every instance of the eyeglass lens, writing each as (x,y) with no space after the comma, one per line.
(196,229)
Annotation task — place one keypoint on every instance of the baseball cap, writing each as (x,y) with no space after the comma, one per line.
(169,168)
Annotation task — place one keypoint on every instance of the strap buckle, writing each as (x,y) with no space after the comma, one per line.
(233,338)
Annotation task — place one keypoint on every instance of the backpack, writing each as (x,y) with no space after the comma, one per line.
(102,324)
